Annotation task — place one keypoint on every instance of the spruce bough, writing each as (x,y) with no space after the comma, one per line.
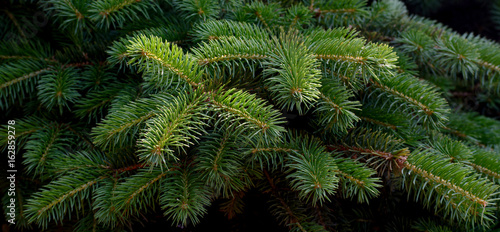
(133,108)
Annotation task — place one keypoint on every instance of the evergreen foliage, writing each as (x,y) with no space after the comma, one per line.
(335,112)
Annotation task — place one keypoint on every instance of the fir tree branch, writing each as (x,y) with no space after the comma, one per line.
(95,105)
(486,171)
(43,149)
(487,162)
(198,9)
(381,151)
(357,180)
(442,183)
(456,150)
(131,124)
(340,13)
(22,78)
(300,16)
(351,82)
(263,14)
(243,112)
(367,151)
(70,14)
(233,53)
(221,166)
(104,207)
(446,183)
(121,127)
(116,12)
(60,198)
(68,194)
(175,127)
(16,23)
(139,191)
(184,197)
(353,57)
(310,169)
(312,175)
(58,88)
(334,108)
(456,132)
(480,129)
(293,75)
(420,99)
(142,188)
(24,128)
(163,61)
(271,156)
(425,108)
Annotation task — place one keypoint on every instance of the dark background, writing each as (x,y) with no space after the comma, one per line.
(463,16)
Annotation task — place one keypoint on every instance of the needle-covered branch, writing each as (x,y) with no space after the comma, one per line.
(449,187)
(176,127)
